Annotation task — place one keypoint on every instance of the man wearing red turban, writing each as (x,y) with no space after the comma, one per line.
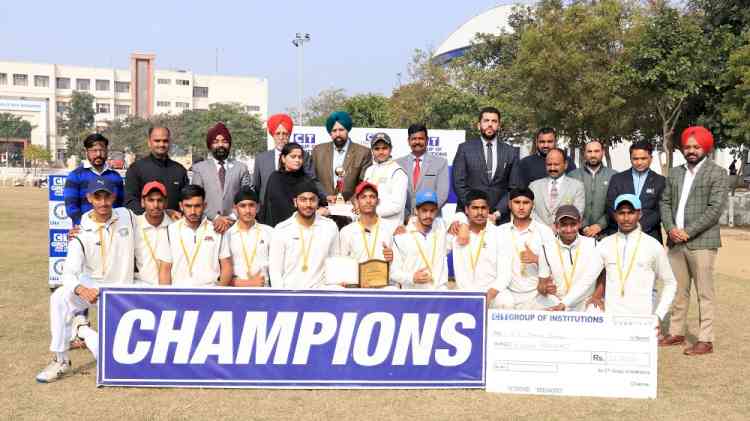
(280,128)
(690,209)
(221,176)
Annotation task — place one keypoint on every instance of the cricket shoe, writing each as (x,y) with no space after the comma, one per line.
(54,371)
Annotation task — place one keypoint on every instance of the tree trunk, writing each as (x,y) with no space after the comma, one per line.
(607,156)
(668,149)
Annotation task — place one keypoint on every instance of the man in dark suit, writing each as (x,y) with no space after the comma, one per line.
(534,167)
(642,182)
(486,164)
(280,127)
(340,156)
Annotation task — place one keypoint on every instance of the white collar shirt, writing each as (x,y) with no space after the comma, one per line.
(687,184)
(523,278)
(87,164)
(147,241)
(353,236)
(339,156)
(203,246)
(250,249)
(393,186)
(415,250)
(494,143)
(101,254)
(298,253)
(476,264)
(567,264)
(629,291)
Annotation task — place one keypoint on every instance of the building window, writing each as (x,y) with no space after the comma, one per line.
(20,80)
(63,83)
(183,105)
(83,84)
(102,108)
(163,81)
(102,85)
(122,109)
(41,81)
(251,108)
(182,82)
(3,78)
(122,87)
(163,104)
(200,91)
(62,107)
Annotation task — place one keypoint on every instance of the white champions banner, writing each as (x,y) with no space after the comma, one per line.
(574,354)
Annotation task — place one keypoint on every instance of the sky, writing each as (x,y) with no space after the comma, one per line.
(358,46)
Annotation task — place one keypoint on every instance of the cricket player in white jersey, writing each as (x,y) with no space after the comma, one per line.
(370,237)
(476,262)
(196,256)
(249,242)
(150,232)
(389,178)
(101,254)
(634,261)
(519,249)
(419,254)
(301,244)
(567,256)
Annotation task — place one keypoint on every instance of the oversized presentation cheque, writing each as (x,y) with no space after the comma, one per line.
(568,353)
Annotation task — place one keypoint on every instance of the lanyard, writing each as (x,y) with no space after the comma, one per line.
(568,277)
(474,258)
(197,248)
(624,279)
(370,250)
(305,251)
(518,253)
(102,246)
(148,243)
(428,264)
(249,260)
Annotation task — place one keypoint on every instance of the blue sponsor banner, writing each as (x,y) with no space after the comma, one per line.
(265,338)
(56,185)
(58,243)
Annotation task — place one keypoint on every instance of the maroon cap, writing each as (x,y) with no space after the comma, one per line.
(365,185)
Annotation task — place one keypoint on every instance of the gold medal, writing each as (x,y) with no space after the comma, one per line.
(305,250)
(624,278)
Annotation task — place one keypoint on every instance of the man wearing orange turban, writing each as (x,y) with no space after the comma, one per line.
(280,128)
(690,209)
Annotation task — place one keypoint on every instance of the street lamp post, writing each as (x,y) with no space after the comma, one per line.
(299,41)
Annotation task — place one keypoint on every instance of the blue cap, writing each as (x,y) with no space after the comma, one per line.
(426,196)
(630,198)
(98,184)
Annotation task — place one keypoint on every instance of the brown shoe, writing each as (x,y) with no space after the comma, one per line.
(671,340)
(700,348)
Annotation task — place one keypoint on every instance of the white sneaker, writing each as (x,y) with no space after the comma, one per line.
(54,371)
(78,321)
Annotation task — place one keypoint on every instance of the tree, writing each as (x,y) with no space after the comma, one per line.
(564,72)
(36,155)
(248,134)
(78,121)
(131,133)
(368,110)
(318,108)
(14,127)
(664,66)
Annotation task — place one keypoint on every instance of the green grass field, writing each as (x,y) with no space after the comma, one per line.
(710,387)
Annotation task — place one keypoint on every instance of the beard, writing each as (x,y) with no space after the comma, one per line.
(489,133)
(339,142)
(593,162)
(221,153)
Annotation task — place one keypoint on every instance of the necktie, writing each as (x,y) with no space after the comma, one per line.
(490,161)
(222,174)
(417,170)
(553,195)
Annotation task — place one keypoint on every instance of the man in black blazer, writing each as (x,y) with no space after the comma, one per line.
(642,182)
(487,164)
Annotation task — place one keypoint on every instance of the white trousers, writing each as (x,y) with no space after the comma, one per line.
(63,306)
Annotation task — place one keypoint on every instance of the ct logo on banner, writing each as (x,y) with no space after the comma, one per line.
(56,185)
(58,217)
(58,242)
(217,337)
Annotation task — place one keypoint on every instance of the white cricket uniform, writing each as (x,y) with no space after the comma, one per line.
(476,265)
(291,242)
(414,251)
(147,241)
(393,185)
(522,279)
(203,246)
(101,255)
(567,264)
(352,243)
(633,263)
(250,250)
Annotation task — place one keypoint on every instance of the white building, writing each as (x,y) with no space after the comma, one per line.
(40,93)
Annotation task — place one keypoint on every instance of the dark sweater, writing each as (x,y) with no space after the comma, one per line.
(170,173)
(278,205)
